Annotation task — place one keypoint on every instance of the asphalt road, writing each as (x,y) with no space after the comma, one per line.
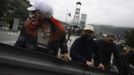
(10,37)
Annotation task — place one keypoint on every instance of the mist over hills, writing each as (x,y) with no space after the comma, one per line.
(108,28)
(111,29)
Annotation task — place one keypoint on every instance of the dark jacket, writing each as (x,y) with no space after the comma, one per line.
(105,51)
(83,50)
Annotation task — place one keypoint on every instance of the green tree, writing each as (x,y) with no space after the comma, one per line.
(3,7)
(130,38)
(11,9)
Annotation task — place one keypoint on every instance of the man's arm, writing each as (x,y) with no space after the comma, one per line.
(97,52)
(63,47)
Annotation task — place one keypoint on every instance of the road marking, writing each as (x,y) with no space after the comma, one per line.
(8,42)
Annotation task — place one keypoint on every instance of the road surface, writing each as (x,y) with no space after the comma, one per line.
(10,37)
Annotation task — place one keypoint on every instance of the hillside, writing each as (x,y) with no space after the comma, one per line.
(111,29)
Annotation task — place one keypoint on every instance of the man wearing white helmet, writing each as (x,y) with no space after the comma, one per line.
(84,47)
(28,35)
(49,32)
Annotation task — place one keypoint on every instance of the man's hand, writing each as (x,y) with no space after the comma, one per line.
(89,63)
(101,66)
(65,57)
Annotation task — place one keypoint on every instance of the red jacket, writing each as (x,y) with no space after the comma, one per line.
(57,35)
(57,30)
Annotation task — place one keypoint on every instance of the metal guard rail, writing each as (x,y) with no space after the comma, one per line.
(17,61)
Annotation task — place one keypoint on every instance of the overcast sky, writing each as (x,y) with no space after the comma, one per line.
(108,12)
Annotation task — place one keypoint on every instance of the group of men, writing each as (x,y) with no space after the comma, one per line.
(86,50)
(42,32)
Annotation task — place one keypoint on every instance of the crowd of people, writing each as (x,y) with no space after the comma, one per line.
(44,33)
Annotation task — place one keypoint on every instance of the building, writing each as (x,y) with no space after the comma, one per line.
(83,19)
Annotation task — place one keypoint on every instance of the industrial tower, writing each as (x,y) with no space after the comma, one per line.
(83,20)
(76,18)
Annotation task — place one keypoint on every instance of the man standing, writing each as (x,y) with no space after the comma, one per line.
(106,48)
(84,47)
(28,35)
(49,32)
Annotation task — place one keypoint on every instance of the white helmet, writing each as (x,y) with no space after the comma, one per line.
(44,8)
(89,27)
(31,8)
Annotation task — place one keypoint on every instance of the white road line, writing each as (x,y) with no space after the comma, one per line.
(8,42)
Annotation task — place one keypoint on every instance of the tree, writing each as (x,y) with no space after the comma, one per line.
(11,9)
(3,7)
(129,36)
(18,9)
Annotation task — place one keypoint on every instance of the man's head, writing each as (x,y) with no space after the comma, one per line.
(88,32)
(41,9)
(33,13)
(110,38)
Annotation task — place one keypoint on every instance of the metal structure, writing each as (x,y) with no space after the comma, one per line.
(16,61)
(83,19)
(76,18)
